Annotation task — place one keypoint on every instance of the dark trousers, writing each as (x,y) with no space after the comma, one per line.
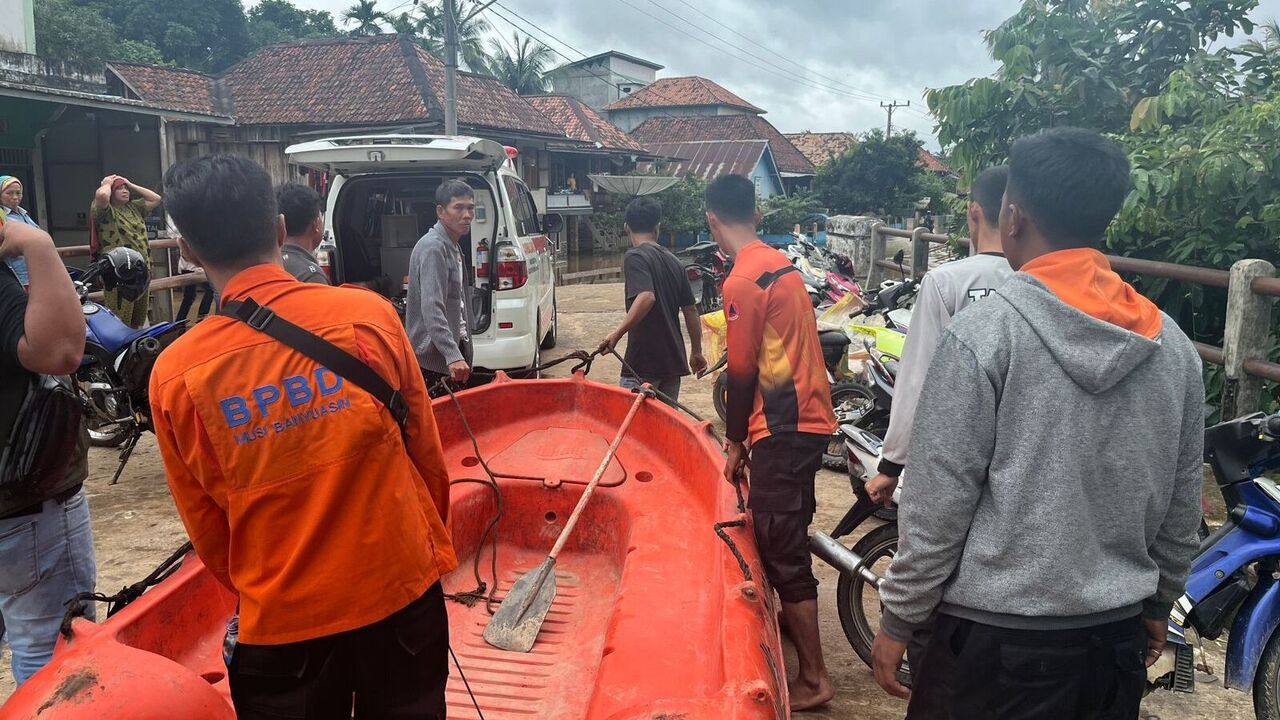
(189,296)
(395,669)
(782,503)
(972,671)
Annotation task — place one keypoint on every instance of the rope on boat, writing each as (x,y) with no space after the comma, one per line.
(733,547)
(77,605)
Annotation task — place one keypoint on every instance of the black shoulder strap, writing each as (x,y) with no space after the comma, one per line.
(264,320)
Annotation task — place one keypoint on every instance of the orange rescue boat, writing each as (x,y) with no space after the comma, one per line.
(656,616)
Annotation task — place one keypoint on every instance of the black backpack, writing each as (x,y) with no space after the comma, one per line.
(42,442)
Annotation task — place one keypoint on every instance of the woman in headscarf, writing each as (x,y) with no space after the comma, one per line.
(118,220)
(11,211)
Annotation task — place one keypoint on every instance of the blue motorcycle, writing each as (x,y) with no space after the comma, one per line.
(1234,582)
(116,370)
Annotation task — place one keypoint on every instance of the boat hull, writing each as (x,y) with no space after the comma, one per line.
(653,615)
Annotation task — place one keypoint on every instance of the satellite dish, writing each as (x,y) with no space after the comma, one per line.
(633,185)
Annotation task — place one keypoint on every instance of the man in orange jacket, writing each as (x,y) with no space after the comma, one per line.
(298,488)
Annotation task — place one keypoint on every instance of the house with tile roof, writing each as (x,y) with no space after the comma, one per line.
(604,78)
(291,92)
(823,146)
(677,96)
(793,167)
(709,159)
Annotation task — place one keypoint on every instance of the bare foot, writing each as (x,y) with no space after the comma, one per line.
(807,696)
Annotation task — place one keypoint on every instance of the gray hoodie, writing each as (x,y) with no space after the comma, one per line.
(1055,470)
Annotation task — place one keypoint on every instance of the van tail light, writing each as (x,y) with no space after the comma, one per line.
(512,270)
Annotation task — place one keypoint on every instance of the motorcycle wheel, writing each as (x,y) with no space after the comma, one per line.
(1266,682)
(846,397)
(720,396)
(858,601)
(101,433)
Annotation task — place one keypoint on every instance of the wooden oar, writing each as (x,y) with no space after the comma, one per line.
(519,619)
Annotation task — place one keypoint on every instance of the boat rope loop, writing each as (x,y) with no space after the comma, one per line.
(740,522)
(77,606)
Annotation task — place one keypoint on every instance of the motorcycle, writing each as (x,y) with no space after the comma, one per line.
(114,375)
(1234,581)
(706,271)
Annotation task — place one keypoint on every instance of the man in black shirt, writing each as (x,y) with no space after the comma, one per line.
(46,543)
(657,292)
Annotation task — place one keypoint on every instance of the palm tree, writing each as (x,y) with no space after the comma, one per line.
(523,72)
(367,19)
(471,33)
(406,24)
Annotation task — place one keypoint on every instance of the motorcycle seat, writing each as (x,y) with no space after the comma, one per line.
(833,339)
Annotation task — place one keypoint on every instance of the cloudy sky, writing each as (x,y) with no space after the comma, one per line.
(816,65)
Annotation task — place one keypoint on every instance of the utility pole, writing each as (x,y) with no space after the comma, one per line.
(450,69)
(890,107)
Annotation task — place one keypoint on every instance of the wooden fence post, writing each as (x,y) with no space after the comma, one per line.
(874,272)
(919,252)
(1248,329)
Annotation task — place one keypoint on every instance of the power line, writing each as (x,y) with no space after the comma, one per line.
(786,72)
(787,60)
(786,75)
(556,39)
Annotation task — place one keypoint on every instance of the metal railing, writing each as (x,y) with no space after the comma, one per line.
(1250,284)
(160,284)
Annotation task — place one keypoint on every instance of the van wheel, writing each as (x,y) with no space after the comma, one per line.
(549,341)
(533,373)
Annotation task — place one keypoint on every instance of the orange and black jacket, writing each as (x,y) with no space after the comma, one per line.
(296,487)
(777,380)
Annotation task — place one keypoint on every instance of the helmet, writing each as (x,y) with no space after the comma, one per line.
(125,270)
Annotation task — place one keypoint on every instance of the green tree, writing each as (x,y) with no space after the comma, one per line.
(1075,62)
(781,213)
(65,31)
(366,18)
(878,176)
(525,70)
(276,21)
(472,31)
(208,35)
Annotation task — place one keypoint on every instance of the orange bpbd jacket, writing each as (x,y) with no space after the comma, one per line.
(777,379)
(296,486)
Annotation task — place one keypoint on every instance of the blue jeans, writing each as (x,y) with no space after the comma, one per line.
(669,386)
(45,559)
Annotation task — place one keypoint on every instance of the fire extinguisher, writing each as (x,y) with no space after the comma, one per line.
(482,259)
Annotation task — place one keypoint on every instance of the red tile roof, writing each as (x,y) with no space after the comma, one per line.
(821,147)
(343,81)
(580,122)
(930,162)
(172,87)
(709,159)
(679,92)
(663,129)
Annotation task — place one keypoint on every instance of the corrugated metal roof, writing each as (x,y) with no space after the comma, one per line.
(709,159)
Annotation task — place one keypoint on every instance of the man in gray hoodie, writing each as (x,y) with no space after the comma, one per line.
(1056,469)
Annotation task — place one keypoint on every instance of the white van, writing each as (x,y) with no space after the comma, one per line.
(382,200)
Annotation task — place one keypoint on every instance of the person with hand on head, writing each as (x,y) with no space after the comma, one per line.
(11,211)
(304,224)
(657,293)
(1056,469)
(118,219)
(46,558)
(438,304)
(321,505)
(779,402)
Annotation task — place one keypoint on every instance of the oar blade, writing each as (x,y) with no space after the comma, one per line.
(519,618)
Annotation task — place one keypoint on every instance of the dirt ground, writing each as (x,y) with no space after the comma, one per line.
(135,527)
